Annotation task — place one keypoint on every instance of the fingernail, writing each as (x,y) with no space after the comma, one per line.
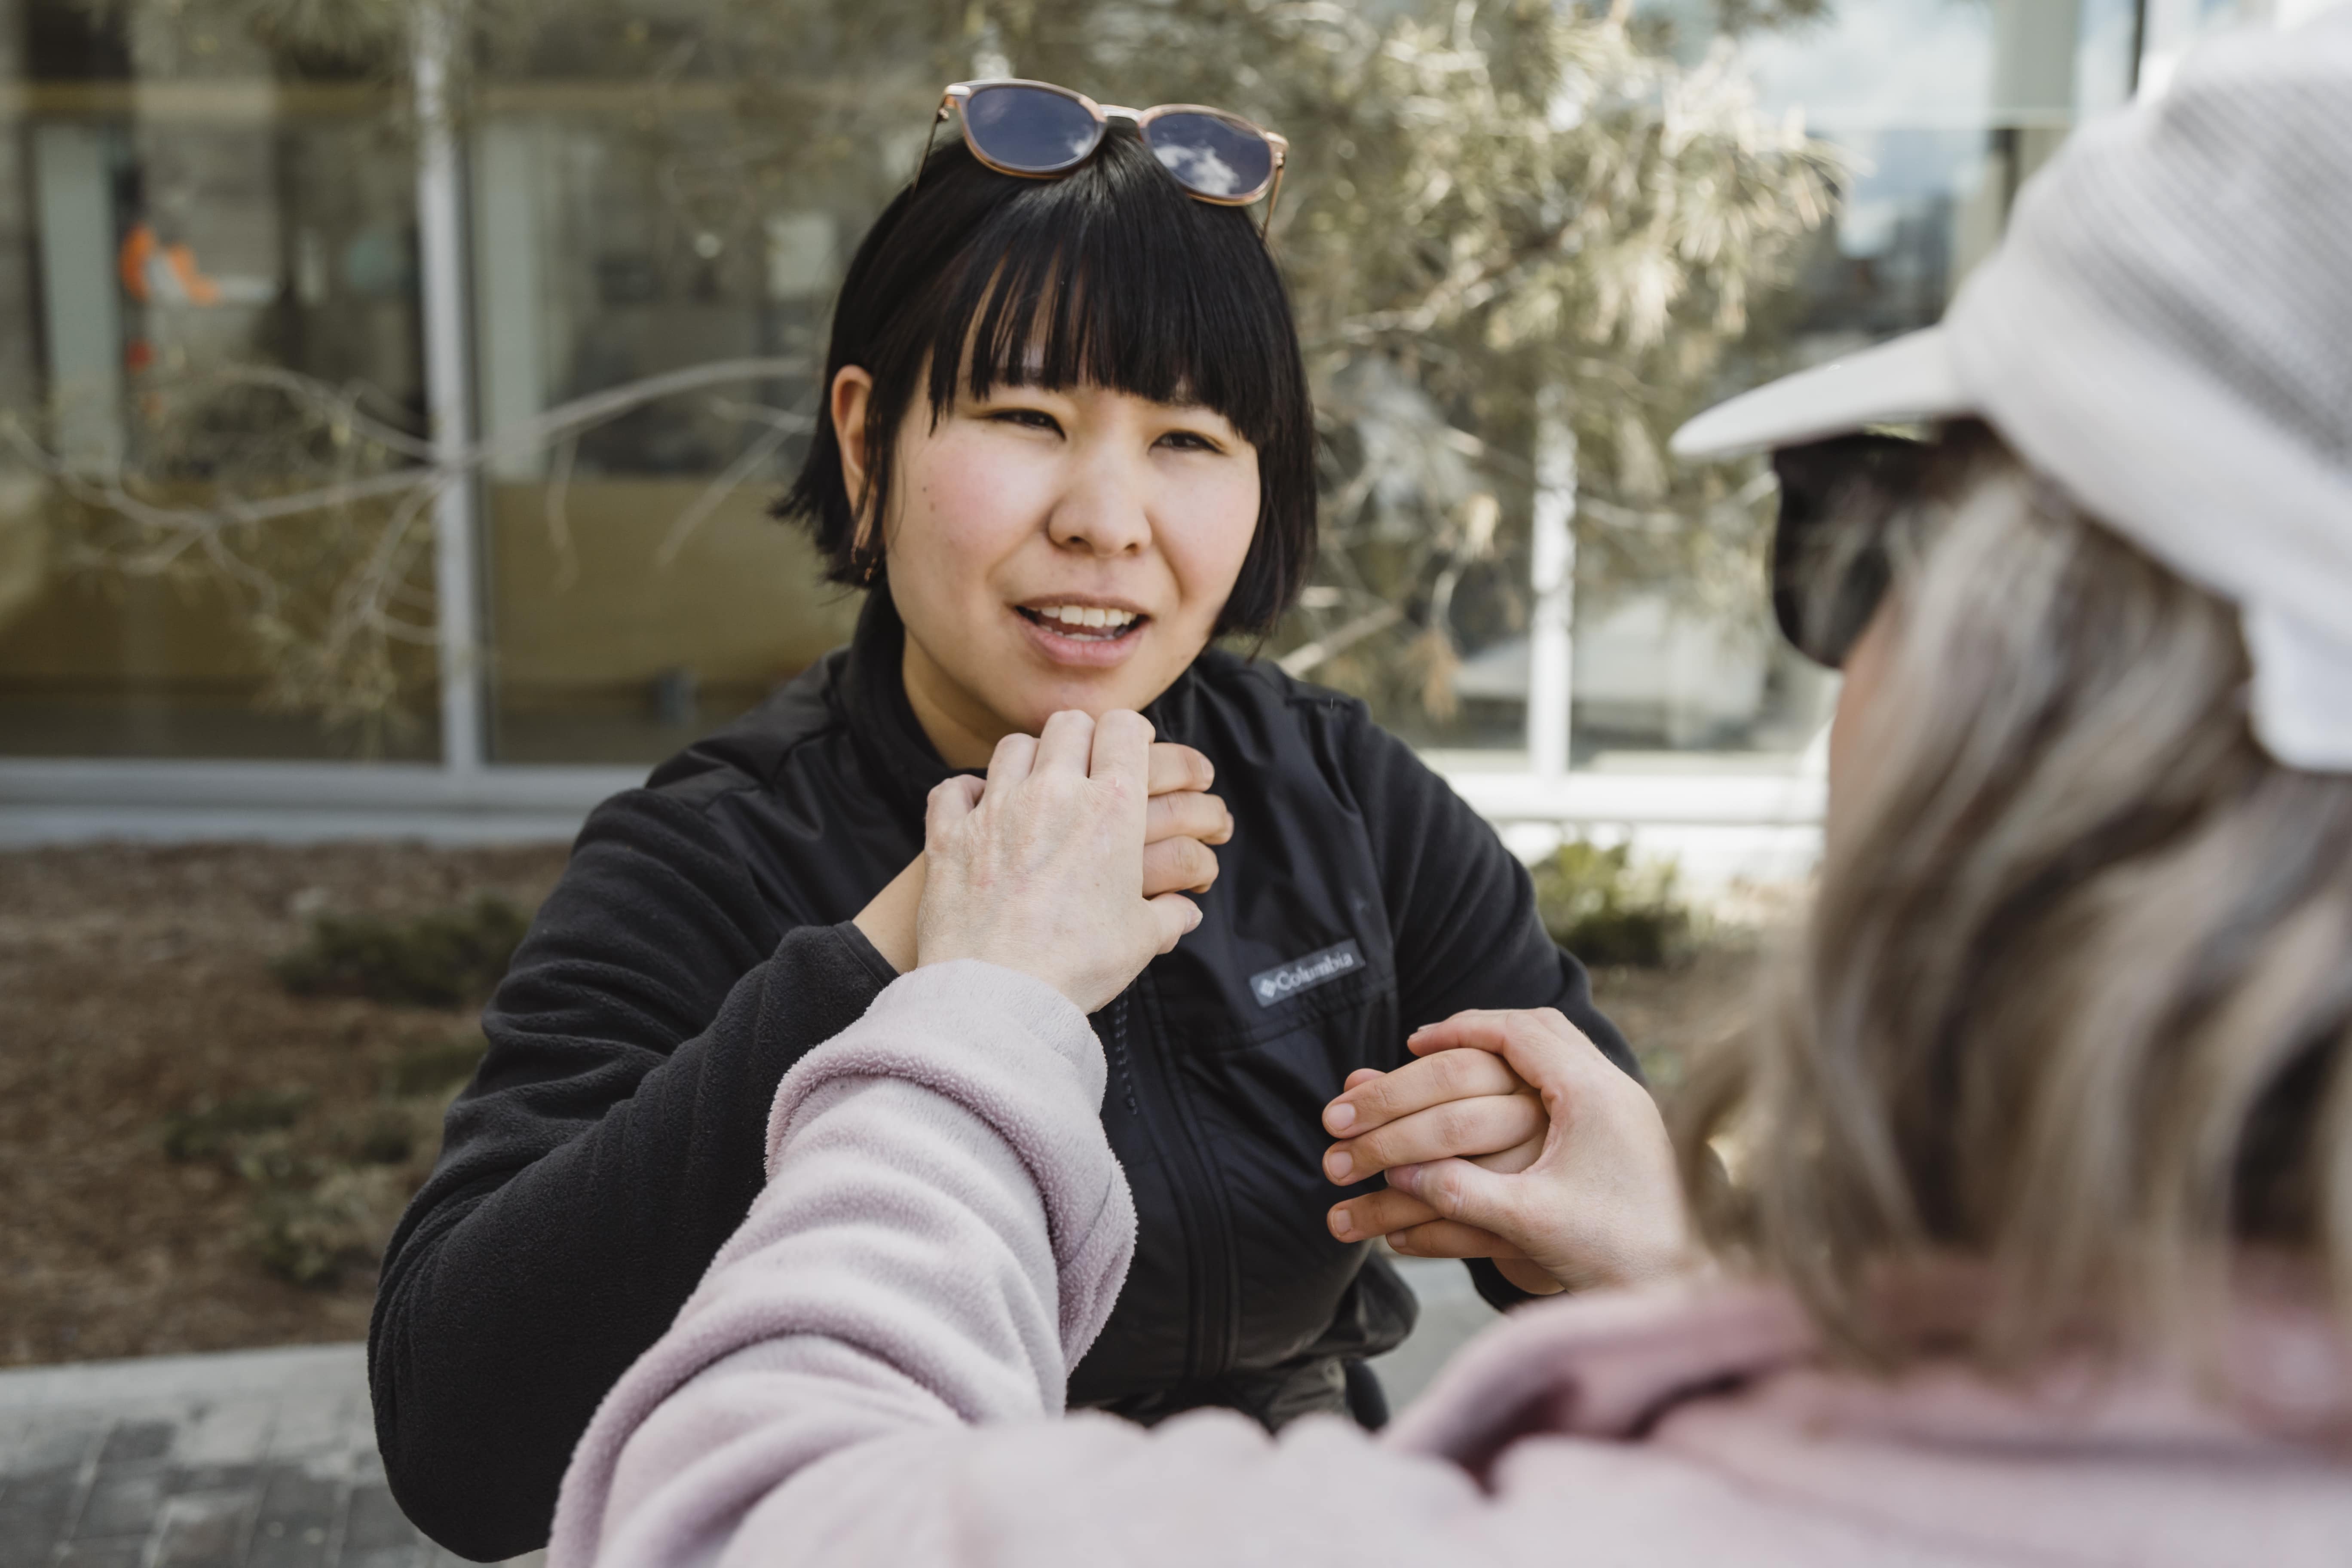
(1338,1165)
(1197,918)
(1341,1116)
(1404,1177)
(1341,1225)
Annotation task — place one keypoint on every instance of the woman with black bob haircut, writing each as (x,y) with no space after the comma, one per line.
(1068,445)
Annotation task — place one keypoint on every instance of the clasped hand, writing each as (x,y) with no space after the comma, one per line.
(1037,868)
(1181,823)
(1513,1138)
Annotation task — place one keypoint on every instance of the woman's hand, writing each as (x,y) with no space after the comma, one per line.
(1183,820)
(1590,1199)
(1456,1103)
(1041,869)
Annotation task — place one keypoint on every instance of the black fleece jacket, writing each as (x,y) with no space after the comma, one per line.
(699,942)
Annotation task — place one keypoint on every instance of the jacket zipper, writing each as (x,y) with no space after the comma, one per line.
(1206,1212)
(1118,1064)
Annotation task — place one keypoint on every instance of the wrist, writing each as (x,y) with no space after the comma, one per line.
(889,921)
(1630,1266)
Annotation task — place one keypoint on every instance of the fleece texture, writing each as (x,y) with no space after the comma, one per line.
(871,1374)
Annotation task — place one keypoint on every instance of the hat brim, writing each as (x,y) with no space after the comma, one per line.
(1908,381)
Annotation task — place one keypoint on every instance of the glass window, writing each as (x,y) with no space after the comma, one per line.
(215,537)
(662,203)
(210,303)
(1939,112)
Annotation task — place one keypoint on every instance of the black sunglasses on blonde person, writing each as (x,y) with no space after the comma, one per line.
(1040,132)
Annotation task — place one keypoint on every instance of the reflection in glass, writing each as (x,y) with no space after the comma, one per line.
(1943,111)
(1211,156)
(1030,129)
(219,309)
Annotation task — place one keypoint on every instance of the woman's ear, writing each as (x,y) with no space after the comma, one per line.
(851,392)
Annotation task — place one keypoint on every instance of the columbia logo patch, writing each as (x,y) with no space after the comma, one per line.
(1284,981)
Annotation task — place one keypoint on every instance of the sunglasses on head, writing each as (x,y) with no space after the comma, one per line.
(1830,565)
(1040,132)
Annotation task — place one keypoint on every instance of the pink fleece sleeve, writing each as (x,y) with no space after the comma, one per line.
(873,1371)
(943,1232)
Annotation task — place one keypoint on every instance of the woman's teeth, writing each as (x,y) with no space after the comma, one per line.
(1085,619)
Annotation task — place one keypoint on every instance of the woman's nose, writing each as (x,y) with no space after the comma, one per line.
(1103,511)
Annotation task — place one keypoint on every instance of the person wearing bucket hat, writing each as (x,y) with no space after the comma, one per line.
(2029,1191)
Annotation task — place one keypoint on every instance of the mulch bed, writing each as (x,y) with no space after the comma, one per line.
(136,996)
(135,987)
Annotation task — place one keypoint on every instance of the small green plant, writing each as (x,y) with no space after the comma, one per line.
(434,1067)
(445,958)
(310,1231)
(323,1192)
(1603,908)
(208,1130)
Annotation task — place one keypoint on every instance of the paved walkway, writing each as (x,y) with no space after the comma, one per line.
(267,1459)
(251,1459)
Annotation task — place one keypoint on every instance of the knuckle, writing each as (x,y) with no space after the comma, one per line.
(1456,1071)
(1456,1124)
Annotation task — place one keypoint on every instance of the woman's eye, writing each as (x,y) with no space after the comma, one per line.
(1189,441)
(1028,419)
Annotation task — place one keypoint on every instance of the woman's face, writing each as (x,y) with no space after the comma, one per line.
(1052,549)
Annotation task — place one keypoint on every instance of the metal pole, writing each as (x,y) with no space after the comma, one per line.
(449,391)
(1550,648)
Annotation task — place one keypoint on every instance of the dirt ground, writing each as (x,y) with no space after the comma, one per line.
(135,987)
(134,983)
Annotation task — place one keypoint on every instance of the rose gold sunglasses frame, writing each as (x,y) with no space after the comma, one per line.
(957,94)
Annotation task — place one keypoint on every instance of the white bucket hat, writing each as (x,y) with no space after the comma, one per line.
(2167,333)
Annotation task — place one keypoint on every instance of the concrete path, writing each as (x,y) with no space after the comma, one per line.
(250,1460)
(267,1459)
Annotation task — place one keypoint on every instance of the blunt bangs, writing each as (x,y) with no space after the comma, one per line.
(1109,277)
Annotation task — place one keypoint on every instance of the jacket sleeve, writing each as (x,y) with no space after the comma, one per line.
(1462,909)
(1462,912)
(869,1373)
(610,1142)
(943,1235)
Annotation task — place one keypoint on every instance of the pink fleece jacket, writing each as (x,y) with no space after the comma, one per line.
(872,1373)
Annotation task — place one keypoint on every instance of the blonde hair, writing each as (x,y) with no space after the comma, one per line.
(2075,995)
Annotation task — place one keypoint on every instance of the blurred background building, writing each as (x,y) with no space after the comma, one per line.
(392,394)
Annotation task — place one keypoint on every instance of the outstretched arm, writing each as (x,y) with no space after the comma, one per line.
(609,1144)
(943,1234)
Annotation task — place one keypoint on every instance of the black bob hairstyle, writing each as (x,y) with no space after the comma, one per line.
(1110,276)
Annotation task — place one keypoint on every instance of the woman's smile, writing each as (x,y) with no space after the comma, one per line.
(1082,631)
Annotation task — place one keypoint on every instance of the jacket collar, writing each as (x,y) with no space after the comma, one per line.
(869,699)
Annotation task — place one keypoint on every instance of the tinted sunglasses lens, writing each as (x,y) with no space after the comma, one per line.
(1029,130)
(1219,158)
(1829,558)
